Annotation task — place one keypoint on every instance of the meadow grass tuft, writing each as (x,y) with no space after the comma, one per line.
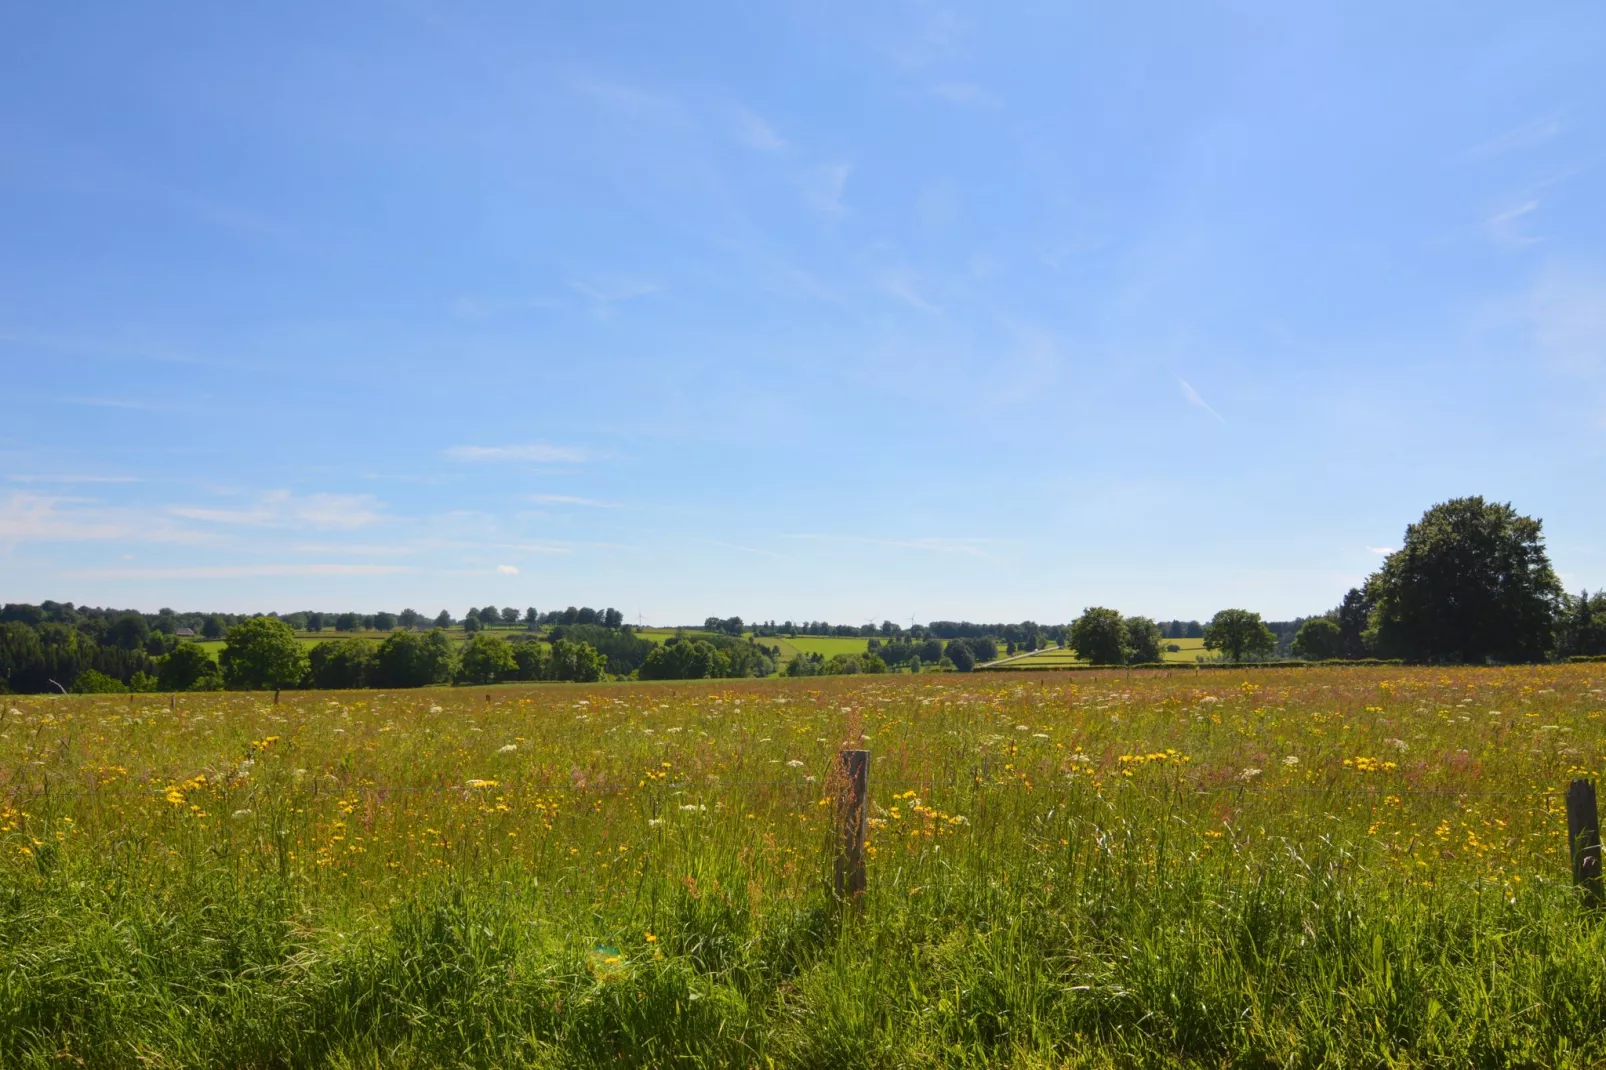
(1324,867)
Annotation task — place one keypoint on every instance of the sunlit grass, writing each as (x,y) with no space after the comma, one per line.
(1310,867)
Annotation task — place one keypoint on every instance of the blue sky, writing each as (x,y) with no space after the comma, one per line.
(817,310)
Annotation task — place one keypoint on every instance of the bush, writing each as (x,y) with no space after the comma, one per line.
(91,682)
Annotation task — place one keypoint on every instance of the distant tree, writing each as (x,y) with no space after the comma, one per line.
(510,616)
(1100,635)
(348,622)
(490,616)
(1319,639)
(612,618)
(213,628)
(531,618)
(486,659)
(684,659)
(471,623)
(1143,640)
(531,659)
(959,652)
(1471,583)
(94,682)
(1581,631)
(587,615)
(576,662)
(407,659)
(127,632)
(314,622)
(384,622)
(443,619)
(1354,620)
(1239,634)
(342,664)
(569,616)
(473,614)
(188,668)
(262,654)
(1193,630)
(929,651)
(409,619)
(983,648)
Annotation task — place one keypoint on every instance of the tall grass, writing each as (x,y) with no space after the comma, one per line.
(1330,867)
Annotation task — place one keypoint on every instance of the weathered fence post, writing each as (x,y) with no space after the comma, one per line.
(1583,838)
(850,880)
(276,696)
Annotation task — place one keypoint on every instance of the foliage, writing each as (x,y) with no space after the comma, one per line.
(684,659)
(342,663)
(1319,639)
(958,652)
(1100,635)
(407,659)
(262,654)
(1471,583)
(188,668)
(1581,630)
(90,682)
(1143,640)
(624,649)
(486,659)
(576,662)
(1239,635)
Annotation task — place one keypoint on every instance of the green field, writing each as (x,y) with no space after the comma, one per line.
(1189,651)
(1332,867)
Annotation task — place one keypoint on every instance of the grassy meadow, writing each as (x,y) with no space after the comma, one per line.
(1316,867)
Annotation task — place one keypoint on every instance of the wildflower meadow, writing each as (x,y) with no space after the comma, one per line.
(1302,867)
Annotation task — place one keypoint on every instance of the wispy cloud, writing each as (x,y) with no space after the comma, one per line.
(604,298)
(539,452)
(939,544)
(116,403)
(1528,135)
(1505,227)
(570,499)
(280,508)
(898,283)
(29,517)
(72,478)
(752,130)
(508,570)
(965,94)
(230,572)
(1198,402)
(823,188)
(740,548)
(629,101)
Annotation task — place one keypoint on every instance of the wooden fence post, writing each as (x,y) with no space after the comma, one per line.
(851,807)
(1583,838)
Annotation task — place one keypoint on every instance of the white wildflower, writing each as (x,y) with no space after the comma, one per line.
(1291,761)
(507,748)
(1248,775)
(795,764)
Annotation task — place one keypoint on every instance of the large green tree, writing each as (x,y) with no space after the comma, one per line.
(1239,634)
(188,668)
(1143,640)
(1319,639)
(407,659)
(1472,583)
(262,654)
(342,664)
(486,659)
(1100,635)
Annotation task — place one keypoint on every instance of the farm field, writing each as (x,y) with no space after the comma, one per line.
(1189,651)
(1325,866)
(824,645)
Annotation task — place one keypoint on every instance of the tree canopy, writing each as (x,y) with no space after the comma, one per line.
(262,654)
(1100,635)
(1471,583)
(1239,634)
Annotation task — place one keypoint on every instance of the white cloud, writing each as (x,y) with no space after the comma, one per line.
(1195,400)
(540,452)
(280,508)
(823,188)
(1528,135)
(966,94)
(230,572)
(71,478)
(28,517)
(507,570)
(752,131)
(899,285)
(570,499)
(603,297)
(1505,229)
